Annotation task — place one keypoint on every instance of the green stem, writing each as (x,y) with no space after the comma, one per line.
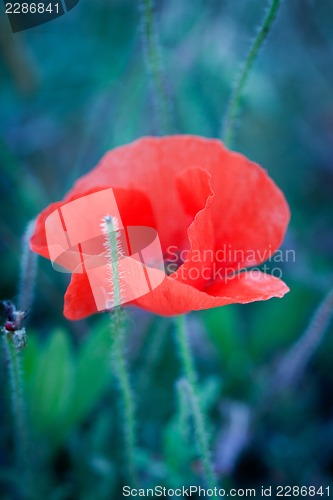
(294,362)
(16,385)
(151,48)
(28,270)
(13,342)
(122,376)
(152,350)
(183,411)
(185,352)
(189,385)
(112,243)
(234,103)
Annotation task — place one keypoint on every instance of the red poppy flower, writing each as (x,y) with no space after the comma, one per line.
(215,211)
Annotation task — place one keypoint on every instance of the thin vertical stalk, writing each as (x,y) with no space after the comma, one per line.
(16,385)
(14,340)
(234,103)
(152,53)
(294,362)
(183,410)
(185,352)
(122,376)
(28,270)
(189,385)
(152,353)
(112,245)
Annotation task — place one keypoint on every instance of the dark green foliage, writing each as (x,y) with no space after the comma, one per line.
(78,86)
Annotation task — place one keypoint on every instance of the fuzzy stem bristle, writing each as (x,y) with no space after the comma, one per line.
(113,246)
(234,102)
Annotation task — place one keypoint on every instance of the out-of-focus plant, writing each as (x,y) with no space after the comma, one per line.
(262,386)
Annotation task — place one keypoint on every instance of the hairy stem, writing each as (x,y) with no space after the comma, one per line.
(28,270)
(122,376)
(234,103)
(294,362)
(13,341)
(183,410)
(152,53)
(113,247)
(189,385)
(14,361)
(185,351)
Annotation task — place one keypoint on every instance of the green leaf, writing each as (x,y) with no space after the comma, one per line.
(30,357)
(209,392)
(224,330)
(277,323)
(93,371)
(51,386)
(178,454)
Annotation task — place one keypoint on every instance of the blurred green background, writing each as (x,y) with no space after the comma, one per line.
(77,86)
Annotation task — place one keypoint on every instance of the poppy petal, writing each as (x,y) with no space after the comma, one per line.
(133,205)
(172,297)
(79,300)
(195,191)
(250,213)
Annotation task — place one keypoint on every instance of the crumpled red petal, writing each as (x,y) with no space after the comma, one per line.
(194,188)
(172,297)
